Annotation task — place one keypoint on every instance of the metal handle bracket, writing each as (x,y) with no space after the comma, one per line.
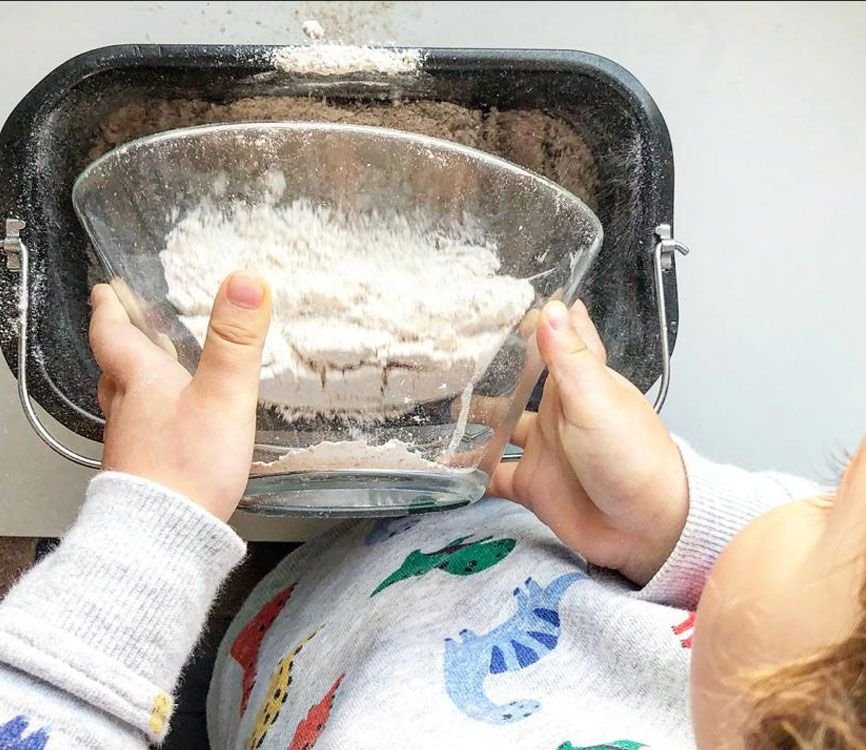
(12,244)
(663,260)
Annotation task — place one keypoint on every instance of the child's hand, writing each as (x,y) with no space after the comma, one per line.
(599,467)
(193,435)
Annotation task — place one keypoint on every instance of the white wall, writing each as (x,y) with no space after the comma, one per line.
(766,107)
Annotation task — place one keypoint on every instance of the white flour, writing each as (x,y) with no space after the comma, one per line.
(313,29)
(342,59)
(349,454)
(370,318)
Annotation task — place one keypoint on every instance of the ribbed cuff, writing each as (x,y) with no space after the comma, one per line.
(722,500)
(112,615)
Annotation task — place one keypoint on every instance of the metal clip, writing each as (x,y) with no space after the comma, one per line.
(663,260)
(12,243)
(668,246)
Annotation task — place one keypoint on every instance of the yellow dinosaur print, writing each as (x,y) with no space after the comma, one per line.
(278,691)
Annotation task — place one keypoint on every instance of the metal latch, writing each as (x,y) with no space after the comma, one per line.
(663,260)
(12,244)
(668,246)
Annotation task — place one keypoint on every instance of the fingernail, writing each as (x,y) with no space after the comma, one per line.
(245,291)
(557,316)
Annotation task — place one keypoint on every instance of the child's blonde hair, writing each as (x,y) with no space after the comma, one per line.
(818,703)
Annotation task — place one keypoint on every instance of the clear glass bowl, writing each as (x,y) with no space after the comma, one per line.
(363,411)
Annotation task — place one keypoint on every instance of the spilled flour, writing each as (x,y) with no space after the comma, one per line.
(313,29)
(371,316)
(327,59)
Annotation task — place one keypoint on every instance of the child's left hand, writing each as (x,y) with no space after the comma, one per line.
(598,465)
(193,435)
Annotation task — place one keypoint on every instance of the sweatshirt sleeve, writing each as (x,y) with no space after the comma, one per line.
(723,499)
(93,638)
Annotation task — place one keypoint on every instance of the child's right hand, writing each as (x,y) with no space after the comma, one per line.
(598,467)
(193,435)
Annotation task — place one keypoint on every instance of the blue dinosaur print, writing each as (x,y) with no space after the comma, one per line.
(12,736)
(386,528)
(520,641)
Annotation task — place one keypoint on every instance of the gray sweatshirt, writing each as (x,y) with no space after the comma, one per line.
(474,628)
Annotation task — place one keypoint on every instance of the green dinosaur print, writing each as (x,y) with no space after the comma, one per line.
(459,558)
(426,505)
(615,745)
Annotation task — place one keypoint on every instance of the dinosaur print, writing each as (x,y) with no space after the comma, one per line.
(387,528)
(311,727)
(459,558)
(425,508)
(685,628)
(245,649)
(275,697)
(521,640)
(615,745)
(12,735)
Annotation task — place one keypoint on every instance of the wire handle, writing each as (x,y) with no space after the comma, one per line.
(18,259)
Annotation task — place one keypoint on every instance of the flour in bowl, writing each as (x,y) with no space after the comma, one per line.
(395,455)
(371,315)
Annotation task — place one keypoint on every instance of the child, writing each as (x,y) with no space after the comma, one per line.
(492,626)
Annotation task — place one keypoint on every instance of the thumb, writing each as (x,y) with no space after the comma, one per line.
(230,364)
(581,377)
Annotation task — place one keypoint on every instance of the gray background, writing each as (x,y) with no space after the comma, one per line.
(767,113)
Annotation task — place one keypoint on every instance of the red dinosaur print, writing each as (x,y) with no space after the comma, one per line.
(685,628)
(245,649)
(310,728)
